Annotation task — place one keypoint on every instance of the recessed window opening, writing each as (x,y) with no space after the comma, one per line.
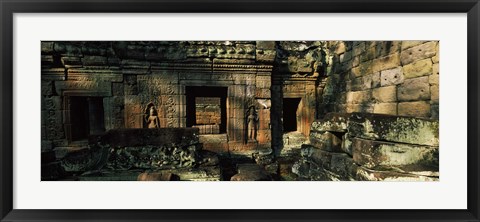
(207,109)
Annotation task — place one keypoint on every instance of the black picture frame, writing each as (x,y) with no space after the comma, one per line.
(9,7)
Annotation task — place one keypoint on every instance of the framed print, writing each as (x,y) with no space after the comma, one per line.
(251,111)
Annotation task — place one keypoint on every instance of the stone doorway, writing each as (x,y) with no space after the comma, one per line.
(291,109)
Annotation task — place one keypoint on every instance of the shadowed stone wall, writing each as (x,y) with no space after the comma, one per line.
(387,77)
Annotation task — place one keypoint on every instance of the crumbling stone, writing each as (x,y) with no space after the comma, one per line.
(394,129)
(372,154)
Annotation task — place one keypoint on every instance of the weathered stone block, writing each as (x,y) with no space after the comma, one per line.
(334,122)
(94,61)
(359,97)
(358,49)
(47,47)
(317,156)
(369,54)
(347,56)
(373,154)
(320,165)
(363,68)
(410,44)
(414,89)
(435,69)
(343,167)
(355,61)
(414,109)
(96,87)
(436,58)
(265,55)
(434,111)
(326,141)
(434,92)
(94,75)
(340,48)
(385,94)
(359,108)
(265,44)
(394,128)
(262,93)
(423,51)
(347,144)
(385,108)
(113,61)
(117,89)
(376,80)
(343,67)
(386,62)
(433,80)
(130,85)
(392,77)
(361,83)
(71,62)
(418,68)
(67,49)
(384,48)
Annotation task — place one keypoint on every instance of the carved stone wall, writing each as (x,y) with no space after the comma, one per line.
(132,76)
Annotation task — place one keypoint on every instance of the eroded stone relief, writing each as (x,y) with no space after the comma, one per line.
(145,88)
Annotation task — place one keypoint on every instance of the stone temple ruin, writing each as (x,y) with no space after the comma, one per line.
(240,110)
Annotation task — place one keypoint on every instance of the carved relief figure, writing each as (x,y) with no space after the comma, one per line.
(151,118)
(252,123)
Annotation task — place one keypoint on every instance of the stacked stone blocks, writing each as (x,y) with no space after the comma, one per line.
(387,77)
(378,147)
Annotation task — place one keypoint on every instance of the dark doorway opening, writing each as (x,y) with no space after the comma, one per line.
(86,117)
(195,94)
(290,109)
